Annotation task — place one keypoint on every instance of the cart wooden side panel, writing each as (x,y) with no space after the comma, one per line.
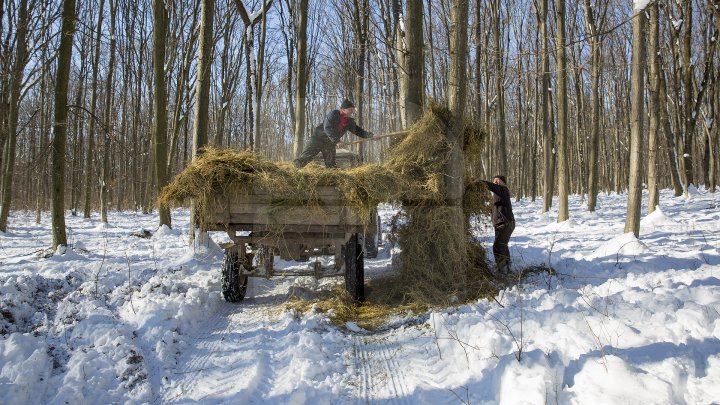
(261,222)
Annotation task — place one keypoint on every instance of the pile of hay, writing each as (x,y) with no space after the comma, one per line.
(235,172)
(437,267)
(433,269)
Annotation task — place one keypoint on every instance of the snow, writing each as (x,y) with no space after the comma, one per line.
(677,24)
(132,314)
(639,5)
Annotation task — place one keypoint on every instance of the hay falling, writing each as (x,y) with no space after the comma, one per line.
(432,269)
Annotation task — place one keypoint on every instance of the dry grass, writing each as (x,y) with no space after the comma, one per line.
(386,298)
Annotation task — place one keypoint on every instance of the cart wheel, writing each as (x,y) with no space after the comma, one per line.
(354,268)
(372,240)
(234,284)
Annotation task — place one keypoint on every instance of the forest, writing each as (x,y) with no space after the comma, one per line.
(102,102)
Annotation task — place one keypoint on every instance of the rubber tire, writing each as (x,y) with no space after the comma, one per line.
(354,268)
(234,285)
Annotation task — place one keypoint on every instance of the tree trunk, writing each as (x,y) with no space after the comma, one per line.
(105,176)
(547,125)
(499,89)
(60,125)
(414,62)
(253,82)
(457,94)
(202,94)
(258,77)
(13,108)
(637,115)
(202,84)
(401,58)
(160,107)
(302,79)
(653,107)
(563,169)
(669,138)
(90,156)
(688,127)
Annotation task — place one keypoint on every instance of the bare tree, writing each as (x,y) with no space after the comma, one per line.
(255,62)
(109,127)
(496,11)
(202,93)
(457,95)
(59,142)
(637,120)
(562,96)
(414,62)
(13,107)
(202,85)
(90,147)
(160,108)
(302,79)
(594,25)
(653,107)
(546,113)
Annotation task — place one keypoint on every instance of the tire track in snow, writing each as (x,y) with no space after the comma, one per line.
(228,359)
(382,379)
(205,342)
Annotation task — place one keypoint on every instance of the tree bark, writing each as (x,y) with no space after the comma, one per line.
(90,156)
(547,125)
(160,108)
(457,95)
(202,95)
(688,127)
(202,84)
(60,125)
(414,62)
(105,173)
(563,169)
(302,79)
(637,112)
(499,88)
(653,107)
(13,108)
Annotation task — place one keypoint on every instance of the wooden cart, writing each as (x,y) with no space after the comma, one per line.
(262,225)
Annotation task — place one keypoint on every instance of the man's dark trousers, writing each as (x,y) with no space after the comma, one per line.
(319,143)
(500,247)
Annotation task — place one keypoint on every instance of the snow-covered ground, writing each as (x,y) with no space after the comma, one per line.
(126,319)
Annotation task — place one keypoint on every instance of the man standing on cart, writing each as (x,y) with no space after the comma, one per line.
(326,136)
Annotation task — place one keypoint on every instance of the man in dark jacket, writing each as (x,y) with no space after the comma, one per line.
(503,221)
(327,135)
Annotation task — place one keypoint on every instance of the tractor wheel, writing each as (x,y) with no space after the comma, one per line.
(234,284)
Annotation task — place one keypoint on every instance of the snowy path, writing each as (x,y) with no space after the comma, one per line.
(381,377)
(215,368)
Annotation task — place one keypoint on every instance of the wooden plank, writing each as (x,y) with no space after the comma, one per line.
(327,229)
(280,240)
(271,215)
(258,194)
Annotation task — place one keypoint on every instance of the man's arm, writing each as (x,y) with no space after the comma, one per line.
(495,188)
(357,130)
